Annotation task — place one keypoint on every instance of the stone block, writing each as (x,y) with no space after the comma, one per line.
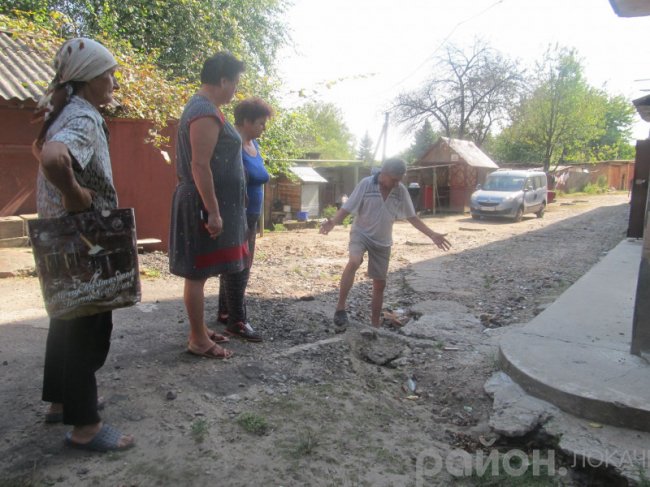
(11,227)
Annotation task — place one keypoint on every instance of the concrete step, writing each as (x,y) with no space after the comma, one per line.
(13,230)
(11,227)
(576,353)
(6,243)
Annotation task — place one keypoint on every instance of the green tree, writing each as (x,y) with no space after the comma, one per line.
(564,119)
(423,139)
(145,91)
(281,140)
(329,136)
(468,95)
(179,34)
(366,150)
(148,91)
(614,143)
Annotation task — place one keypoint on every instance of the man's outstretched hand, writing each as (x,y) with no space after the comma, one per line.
(326,227)
(440,240)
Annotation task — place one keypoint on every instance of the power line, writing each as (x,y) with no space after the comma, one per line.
(442,43)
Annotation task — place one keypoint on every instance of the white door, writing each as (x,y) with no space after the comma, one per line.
(309,200)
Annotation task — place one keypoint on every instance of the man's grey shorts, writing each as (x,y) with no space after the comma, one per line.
(378,255)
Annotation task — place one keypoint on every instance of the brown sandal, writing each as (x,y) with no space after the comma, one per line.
(216,338)
(215,351)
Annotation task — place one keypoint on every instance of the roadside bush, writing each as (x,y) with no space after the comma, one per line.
(598,188)
(330,211)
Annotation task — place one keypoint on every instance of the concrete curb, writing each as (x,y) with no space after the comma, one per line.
(576,354)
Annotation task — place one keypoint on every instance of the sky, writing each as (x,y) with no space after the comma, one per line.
(375,49)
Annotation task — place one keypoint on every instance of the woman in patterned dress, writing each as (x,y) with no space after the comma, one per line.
(208,226)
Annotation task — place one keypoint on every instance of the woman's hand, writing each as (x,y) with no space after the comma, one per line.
(56,164)
(214,226)
(79,200)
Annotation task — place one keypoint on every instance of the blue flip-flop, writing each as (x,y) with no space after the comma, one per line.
(106,439)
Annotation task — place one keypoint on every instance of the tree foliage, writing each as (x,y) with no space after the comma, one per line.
(468,94)
(329,136)
(178,34)
(564,119)
(366,150)
(282,140)
(619,117)
(423,139)
(145,91)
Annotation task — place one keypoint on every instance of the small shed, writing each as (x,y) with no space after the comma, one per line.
(448,173)
(342,177)
(296,195)
(310,182)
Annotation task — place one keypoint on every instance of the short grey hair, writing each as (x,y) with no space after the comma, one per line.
(394,167)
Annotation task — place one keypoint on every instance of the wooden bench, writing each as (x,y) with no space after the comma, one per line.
(147,242)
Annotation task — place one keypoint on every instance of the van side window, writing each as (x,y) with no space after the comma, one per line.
(529,183)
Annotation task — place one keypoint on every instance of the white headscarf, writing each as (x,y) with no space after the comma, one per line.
(78,59)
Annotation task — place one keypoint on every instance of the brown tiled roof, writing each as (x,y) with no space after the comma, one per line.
(25,71)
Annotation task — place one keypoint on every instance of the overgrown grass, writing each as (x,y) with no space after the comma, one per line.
(150,273)
(599,187)
(488,281)
(23,481)
(279,227)
(305,444)
(644,481)
(199,430)
(526,478)
(253,423)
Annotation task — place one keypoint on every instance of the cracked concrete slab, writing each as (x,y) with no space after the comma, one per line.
(585,443)
(444,321)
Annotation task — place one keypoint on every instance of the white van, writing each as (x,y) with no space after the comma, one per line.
(510,194)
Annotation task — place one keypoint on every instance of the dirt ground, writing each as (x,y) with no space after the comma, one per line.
(307,406)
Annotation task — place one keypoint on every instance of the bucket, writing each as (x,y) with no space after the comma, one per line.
(301,216)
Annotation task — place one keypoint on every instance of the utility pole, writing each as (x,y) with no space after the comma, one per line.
(383,136)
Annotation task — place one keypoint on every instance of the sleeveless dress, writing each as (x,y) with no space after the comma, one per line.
(192,253)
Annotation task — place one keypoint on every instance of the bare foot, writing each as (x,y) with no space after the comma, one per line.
(55,408)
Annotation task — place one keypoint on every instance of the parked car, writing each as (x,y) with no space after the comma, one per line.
(510,194)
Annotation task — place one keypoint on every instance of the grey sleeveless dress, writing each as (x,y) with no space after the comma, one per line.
(192,253)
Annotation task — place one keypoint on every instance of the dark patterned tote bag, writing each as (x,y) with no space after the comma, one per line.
(86,262)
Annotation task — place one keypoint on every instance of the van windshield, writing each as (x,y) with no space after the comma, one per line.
(504,182)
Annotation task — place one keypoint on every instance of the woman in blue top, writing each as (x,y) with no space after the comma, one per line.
(251,116)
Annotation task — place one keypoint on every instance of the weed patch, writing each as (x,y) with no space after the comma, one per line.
(253,423)
(199,430)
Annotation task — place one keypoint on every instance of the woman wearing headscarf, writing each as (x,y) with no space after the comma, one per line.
(75,175)
(208,225)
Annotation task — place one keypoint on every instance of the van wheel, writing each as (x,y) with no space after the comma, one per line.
(519,215)
(540,213)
